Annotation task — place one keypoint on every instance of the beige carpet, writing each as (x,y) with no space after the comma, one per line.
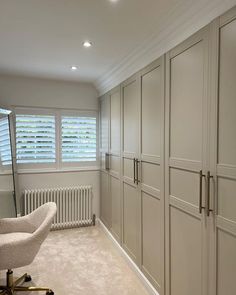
(82,261)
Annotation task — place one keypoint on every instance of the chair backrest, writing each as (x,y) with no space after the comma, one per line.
(42,219)
(30,232)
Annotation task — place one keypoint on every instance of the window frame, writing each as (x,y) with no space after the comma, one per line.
(59,166)
(39,112)
(6,168)
(92,114)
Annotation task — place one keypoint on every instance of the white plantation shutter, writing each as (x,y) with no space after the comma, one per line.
(5,147)
(35,139)
(79,139)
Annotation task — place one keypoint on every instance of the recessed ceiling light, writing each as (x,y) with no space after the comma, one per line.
(74,68)
(87,44)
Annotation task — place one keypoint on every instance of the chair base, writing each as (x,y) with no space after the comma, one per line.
(13,286)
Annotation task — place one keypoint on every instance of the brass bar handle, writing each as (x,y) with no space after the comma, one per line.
(137,170)
(134,161)
(209,176)
(201,175)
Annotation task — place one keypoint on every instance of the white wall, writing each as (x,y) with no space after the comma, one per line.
(33,92)
(7,208)
(22,91)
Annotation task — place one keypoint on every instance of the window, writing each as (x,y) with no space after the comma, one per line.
(78,139)
(5,147)
(35,139)
(56,139)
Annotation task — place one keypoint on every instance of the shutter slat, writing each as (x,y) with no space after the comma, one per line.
(34,145)
(35,161)
(79,139)
(35,139)
(36,156)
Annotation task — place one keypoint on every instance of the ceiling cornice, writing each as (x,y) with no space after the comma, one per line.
(180,23)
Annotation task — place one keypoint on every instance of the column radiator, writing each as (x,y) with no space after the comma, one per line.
(74,205)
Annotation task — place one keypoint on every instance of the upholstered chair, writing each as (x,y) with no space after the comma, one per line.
(20,241)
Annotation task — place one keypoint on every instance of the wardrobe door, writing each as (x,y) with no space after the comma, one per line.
(115,107)
(186,142)
(105,203)
(152,172)
(116,207)
(104,130)
(114,162)
(225,178)
(131,198)
(105,199)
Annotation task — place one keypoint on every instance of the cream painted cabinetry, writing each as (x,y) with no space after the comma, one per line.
(151,185)
(115,162)
(130,152)
(200,162)
(132,186)
(222,248)
(186,156)
(143,171)
(110,205)
(105,199)
(168,186)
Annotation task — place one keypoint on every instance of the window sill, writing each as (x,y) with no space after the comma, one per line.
(5,173)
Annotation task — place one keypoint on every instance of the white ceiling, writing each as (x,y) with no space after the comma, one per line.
(43,38)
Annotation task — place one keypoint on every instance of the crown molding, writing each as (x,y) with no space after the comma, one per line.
(181,22)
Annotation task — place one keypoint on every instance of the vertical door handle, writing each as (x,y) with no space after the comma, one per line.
(109,158)
(137,170)
(201,175)
(106,161)
(209,176)
(134,162)
(107,164)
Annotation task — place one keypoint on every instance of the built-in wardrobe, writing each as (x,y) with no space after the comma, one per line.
(168,164)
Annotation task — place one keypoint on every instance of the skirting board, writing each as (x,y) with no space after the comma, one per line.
(145,282)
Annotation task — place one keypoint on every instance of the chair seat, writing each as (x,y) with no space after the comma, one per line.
(13,237)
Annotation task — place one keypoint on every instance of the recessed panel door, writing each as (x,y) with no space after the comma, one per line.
(115,162)
(152,172)
(130,152)
(104,131)
(115,128)
(223,185)
(116,207)
(186,141)
(105,208)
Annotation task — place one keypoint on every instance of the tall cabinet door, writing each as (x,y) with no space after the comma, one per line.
(224,264)
(104,130)
(185,149)
(152,173)
(114,162)
(131,199)
(105,199)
